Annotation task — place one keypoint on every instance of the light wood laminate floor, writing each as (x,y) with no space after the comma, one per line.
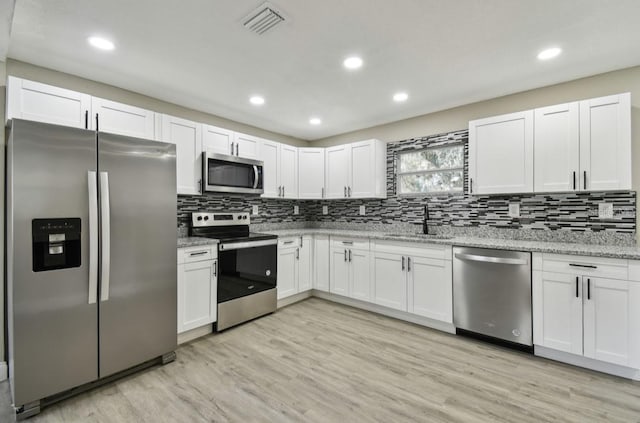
(317,361)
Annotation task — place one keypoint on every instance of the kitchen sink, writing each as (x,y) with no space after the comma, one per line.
(419,236)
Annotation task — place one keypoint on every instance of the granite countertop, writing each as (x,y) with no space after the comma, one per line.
(612,251)
(193,241)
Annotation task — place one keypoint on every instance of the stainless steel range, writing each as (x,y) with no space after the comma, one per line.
(248,266)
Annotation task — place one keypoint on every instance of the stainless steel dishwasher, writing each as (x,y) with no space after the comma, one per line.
(492,294)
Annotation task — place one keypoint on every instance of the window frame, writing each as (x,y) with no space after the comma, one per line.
(399,174)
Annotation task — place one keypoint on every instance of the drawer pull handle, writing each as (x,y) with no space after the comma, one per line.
(577,279)
(588,289)
(288,242)
(588,266)
(347,242)
(198,253)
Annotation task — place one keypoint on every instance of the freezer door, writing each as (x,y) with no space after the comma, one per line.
(138,288)
(53,341)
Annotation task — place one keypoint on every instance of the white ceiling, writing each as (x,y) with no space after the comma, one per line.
(197,54)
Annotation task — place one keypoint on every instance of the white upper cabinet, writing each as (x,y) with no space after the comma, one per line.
(501,154)
(356,170)
(246,146)
(605,143)
(217,140)
(311,175)
(337,171)
(557,155)
(288,171)
(122,119)
(280,169)
(187,136)
(45,103)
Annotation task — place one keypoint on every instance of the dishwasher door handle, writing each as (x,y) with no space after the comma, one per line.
(489,259)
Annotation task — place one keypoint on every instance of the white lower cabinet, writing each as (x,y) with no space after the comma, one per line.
(197,287)
(294,265)
(588,310)
(415,278)
(350,268)
(321,262)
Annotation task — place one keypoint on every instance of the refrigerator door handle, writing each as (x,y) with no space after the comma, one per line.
(92,180)
(105,215)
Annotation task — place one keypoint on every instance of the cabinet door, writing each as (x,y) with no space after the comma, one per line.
(269,151)
(197,303)
(605,143)
(187,137)
(360,275)
(610,333)
(337,171)
(321,262)
(501,154)
(246,146)
(217,140)
(122,119)
(390,280)
(310,173)
(287,272)
(557,143)
(304,263)
(557,311)
(339,268)
(289,171)
(45,103)
(363,182)
(430,287)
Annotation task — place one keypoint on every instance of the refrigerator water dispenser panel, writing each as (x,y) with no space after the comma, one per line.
(56,243)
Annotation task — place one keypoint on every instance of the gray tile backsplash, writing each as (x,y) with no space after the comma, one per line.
(555,213)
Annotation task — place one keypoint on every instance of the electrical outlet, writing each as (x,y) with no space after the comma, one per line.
(514,209)
(325,210)
(605,210)
(362,211)
(296,210)
(254,210)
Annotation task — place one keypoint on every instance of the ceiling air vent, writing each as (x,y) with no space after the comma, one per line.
(263,19)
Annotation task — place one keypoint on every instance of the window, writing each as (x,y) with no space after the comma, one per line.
(431,170)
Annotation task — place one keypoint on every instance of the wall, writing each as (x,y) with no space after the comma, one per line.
(558,212)
(3,91)
(64,80)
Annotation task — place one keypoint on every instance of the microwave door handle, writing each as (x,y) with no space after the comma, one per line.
(255,176)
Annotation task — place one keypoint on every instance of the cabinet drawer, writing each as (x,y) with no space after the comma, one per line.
(416,249)
(194,254)
(289,242)
(352,243)
(585,265)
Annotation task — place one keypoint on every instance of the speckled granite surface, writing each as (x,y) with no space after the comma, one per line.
(193,241)
(613,251)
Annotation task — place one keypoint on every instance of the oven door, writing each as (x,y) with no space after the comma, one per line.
(246,268)
(223,173)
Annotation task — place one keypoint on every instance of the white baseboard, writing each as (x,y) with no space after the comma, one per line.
(588,363)
(4,373)
(396,314)
(192,334)
(294,298)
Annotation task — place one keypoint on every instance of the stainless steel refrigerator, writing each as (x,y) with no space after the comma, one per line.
(91,257)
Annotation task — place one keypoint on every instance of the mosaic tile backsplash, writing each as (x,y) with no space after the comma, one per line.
(551,212)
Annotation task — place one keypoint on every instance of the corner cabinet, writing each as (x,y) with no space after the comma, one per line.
(187,136)
(197,287)
(321,253)
(587,306)
(294,265)
(311,164)
(501,154)
(357,170)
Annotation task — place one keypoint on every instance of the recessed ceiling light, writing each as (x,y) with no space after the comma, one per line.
(353,62)
(315,121)
(101,43)
(400,97)
(549,53)
(257,100)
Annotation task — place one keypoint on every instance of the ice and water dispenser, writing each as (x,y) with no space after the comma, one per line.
(56,243)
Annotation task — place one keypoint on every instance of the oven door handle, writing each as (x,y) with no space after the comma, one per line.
(255,177)
(248,244)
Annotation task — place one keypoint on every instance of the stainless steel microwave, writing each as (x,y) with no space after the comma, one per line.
(223,173)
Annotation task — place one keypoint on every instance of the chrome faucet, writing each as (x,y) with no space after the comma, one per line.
(425,223)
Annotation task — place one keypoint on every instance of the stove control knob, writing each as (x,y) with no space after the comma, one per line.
(206,218)
(244,217)
(199,218)
(239,217)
